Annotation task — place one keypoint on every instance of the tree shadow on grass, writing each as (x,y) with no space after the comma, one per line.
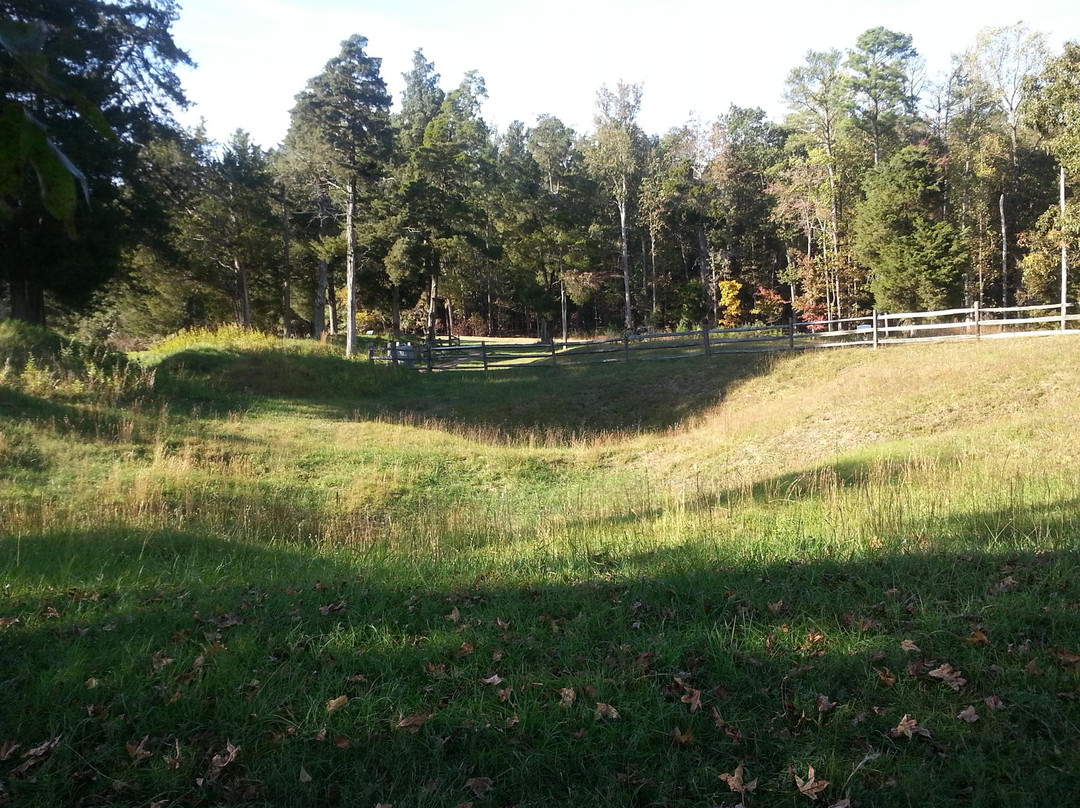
(578,401)
(196,644)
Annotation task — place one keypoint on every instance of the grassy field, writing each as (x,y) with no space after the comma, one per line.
(246,572)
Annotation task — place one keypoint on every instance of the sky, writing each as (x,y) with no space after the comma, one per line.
(693,58)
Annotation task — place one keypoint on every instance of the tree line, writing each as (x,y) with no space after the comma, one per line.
(880,188)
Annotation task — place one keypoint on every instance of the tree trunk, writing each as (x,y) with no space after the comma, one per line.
(625,257)
(27,301)
(243,300)
(562,304)
(1004,253)
(350,269)
(331,300)
(433,295)
(395,313)
(1064,255)
(286,301)
(318,306)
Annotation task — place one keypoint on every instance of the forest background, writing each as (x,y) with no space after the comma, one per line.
(881,187)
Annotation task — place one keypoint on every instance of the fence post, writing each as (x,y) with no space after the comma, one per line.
(791,332)
(705,338)
(393,352)
(483,353)
(371,352)
(875,329)
(430,357)
(978,320)
(626,347)
(553,362)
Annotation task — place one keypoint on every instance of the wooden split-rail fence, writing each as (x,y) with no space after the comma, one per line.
(872,331)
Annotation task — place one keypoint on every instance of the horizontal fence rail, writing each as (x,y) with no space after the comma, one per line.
(873,330)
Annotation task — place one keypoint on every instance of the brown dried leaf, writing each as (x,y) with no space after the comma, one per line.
(567,696)
(454,616)
(735,780)
(976,638)
(968,714)
(680,738)
(823,703)
(775,606)
(810,787)
(304,776)
(909,647)
(138,752)
(7,750)
(5,622)
(479,785)
(908,728)
(505,693)
(887,677)
(493,680)
(220,761)
(159,661)
(335,704)
(605,711)
(993,703)
(465,649)
(692,697)
(949,676)
(413,722)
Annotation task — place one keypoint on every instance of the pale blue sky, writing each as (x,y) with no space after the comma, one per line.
(694,57)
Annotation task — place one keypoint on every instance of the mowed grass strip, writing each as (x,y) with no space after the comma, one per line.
(383,596)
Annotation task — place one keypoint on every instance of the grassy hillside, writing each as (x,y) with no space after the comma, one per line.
(606,585)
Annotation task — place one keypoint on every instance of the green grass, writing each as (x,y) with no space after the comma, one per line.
(719,549)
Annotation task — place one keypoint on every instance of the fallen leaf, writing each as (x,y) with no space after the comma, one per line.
(413,722)
(479,785)
(459,805)
(993,703)
(138,752)
(1067,657)
(567,696)
(7,750)
(465,649)
(844,803)
(949,676)
(159,661)
(220,761)
(968,714)
(908,646)
(304,776)
(605,711)
(735,780)
(810,787)
(908,728)
(887,677)
(976,638)
(5,622)
(865,624)
(823,704)
(775,606)
(505,693)
(680,738)
(692,697)
(492,680)
(334,704)
(454,616)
